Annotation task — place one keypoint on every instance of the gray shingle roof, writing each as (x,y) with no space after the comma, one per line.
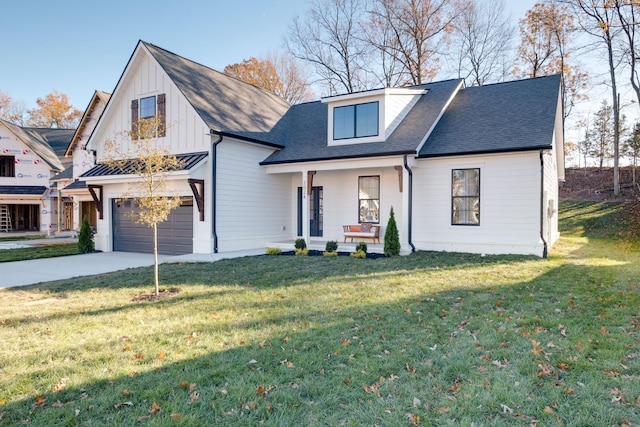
(226,104)
(65,174)
(502,117)
(22,190)
(303,130)
(48,144)
(188,161)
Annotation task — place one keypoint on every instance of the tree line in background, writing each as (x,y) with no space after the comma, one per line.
(344,46)
(52,111)
(355,45)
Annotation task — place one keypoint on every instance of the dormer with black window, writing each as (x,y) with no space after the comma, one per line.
(369,116)
(151,109)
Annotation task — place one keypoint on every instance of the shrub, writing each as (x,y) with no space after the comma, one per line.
(358,254)
(330,253)
(391,237)
(362,246)
(273,251)
(331,246)
(85,238)
(301,243)
(302,252)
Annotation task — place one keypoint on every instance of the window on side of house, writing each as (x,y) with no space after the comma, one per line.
(7,166)
(355,121)
(369,199)
(465,196)
(147,107)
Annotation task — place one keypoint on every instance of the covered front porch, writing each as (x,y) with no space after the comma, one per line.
(327,196)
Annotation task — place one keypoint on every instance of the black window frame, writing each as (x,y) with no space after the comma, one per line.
(7,166)
(466,198)
(355,120)
(360,200)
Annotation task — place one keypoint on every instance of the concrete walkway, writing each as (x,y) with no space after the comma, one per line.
(21,273)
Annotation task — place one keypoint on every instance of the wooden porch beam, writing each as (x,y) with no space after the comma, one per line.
(310,175)
(197,187)
(97,198)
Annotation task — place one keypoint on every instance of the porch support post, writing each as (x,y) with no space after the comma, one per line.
(400,171)
(306,185)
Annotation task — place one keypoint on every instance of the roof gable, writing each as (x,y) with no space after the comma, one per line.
(224,103)
(512,116)
(48,144)
(99,97)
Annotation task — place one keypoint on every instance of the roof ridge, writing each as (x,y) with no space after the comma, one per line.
(214,70)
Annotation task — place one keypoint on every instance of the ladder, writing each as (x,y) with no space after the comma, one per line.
(5,218)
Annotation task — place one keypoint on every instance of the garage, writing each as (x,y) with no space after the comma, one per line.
(175,235)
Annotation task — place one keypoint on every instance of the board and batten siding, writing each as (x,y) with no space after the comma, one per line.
(253,207)
(509,205)
(186,132)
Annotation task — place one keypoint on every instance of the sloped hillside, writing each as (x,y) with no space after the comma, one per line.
(593,184)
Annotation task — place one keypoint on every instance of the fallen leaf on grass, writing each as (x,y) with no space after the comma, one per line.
(548,410)
(414,419)
(155,408)
(39,402)
(176,416)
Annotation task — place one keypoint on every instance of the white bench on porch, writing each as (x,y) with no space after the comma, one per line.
(362,231)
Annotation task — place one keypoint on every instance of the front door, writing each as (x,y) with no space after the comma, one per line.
(315,212)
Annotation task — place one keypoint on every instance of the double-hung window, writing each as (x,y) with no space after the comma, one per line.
(465,197)
(369,199)
(148,117)
(355,121)
(147,107)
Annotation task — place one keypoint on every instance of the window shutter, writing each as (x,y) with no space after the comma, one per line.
(134,119)
(162,120)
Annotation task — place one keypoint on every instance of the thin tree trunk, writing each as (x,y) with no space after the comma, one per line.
(155,260)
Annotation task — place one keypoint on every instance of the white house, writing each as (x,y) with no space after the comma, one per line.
(82,204)
(465,169)
(29,157)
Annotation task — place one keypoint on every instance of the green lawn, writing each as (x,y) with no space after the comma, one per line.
(427,339)
(37,252)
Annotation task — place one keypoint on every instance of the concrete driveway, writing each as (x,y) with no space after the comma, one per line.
(30,272)
(34,271)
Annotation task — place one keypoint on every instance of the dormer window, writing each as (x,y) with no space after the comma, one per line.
(355,121)
(369,116)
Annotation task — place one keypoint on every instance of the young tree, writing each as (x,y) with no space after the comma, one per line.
(483,36)
(602,133)
(54,111)
(152,165)
(330,38)
(391,237)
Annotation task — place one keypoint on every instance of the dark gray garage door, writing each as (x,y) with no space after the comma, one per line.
(175,235)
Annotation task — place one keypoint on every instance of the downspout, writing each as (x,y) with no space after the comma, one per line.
(542,207)
(214,192)
(410,207)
